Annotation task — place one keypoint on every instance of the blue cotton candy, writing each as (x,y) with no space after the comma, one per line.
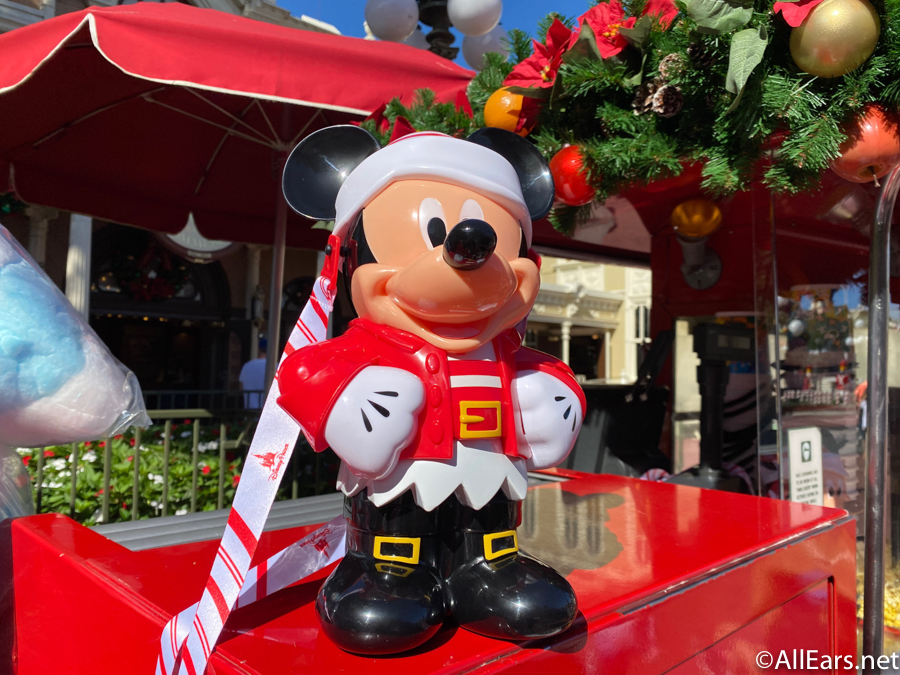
(40,339)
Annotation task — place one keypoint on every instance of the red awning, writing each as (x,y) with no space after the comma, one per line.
(140,114)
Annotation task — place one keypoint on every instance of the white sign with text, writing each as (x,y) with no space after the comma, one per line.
(805,447)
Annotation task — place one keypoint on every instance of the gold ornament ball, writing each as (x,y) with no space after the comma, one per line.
(836,37)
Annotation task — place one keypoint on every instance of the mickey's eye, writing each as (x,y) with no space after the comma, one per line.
(471,210)
(431,222)
(437,231)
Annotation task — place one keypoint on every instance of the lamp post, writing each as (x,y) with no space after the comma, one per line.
(477,20)
(433,13)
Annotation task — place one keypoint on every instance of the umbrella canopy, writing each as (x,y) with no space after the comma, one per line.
(141,114)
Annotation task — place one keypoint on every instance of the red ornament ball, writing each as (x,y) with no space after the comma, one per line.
(570,178)
(872,147)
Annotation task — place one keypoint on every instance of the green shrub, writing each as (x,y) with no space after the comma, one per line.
(309,473)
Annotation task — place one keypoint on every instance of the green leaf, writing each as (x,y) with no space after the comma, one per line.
(638,34)
(585,48)
(532,92)
(323,225)
(719,16)
(747,49)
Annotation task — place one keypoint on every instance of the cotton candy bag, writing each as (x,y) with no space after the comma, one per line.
(58,381)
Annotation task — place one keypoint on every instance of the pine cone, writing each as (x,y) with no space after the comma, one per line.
(671,66)
(667,101)
(643,99)
(700,55)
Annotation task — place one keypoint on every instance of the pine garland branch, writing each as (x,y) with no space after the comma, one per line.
(519,44)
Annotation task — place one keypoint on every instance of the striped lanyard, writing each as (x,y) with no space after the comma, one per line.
(189,638)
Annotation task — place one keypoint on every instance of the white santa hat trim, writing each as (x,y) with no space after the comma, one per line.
(432,156)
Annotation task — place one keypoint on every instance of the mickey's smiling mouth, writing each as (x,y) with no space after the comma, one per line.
(459,331)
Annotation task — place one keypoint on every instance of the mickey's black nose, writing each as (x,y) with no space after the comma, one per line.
(469,244)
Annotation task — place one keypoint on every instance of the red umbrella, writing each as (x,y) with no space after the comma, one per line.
(142,114)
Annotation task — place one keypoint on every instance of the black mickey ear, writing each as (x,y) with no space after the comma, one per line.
(318,166)
(529,163)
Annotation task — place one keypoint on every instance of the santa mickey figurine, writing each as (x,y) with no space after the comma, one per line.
(434,407)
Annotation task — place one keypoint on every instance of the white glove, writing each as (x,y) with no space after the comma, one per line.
(374,418)
(551,417)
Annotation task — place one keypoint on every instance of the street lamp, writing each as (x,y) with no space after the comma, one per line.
(477,20)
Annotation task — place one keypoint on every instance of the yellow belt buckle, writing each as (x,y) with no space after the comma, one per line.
(465,419)
(490,553)
(413,559)
(401,571)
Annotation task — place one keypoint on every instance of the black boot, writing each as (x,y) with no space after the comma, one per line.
(491,587)
(384,597)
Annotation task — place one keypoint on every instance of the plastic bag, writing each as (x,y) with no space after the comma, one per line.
(58,381)
(15,485)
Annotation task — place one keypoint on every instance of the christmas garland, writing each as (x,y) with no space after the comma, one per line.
(733,90)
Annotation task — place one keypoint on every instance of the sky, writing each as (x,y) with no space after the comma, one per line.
(347,15)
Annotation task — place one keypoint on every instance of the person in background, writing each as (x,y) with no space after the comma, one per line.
(253,378)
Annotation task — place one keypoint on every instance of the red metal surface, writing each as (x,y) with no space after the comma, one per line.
(662,572)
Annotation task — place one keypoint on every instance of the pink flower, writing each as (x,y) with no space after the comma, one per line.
(605,21)
(664,10)
(98,492)
(795,12)
(129,458)
(131,442)
(206,470)
(101,444)
(235,481)
(26,459)
(48,453)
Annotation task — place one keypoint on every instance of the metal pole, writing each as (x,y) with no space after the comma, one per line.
(73,492)
(779,435)
(876,440)
(107,466)
(273,334)
(136,485)
(167,451)
(273,337)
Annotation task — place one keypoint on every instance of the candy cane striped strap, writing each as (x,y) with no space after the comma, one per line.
(298,561)
(266,462)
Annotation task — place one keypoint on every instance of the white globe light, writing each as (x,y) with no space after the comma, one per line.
(796,327)
(474,17)
(417,40)
(392,20)
(475,47)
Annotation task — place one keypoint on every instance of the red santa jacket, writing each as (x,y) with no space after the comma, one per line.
(312,378)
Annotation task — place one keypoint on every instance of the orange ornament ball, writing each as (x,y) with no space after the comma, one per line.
(503,110)
(569,177)
(872,147)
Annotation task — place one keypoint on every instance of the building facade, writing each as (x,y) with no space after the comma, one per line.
(595,317)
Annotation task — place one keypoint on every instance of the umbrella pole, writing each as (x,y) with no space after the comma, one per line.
(274,330)
(876,439)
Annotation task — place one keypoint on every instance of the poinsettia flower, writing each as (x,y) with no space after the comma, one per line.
(539,70)
(664,10)
(605,21)
(795,12)
(382,123)
(462,103)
